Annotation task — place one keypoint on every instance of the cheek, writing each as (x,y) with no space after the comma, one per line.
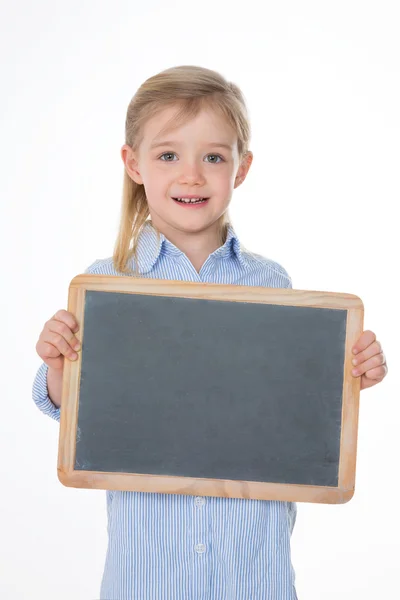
(156,183)
(226,183)
(155,195)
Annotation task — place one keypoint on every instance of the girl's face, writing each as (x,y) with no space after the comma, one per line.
(198,159)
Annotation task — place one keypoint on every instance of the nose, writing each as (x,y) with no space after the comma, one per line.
(191,174)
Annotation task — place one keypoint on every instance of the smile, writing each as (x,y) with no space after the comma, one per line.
(191,200)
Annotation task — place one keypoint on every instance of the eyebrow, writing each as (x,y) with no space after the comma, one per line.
(174,143)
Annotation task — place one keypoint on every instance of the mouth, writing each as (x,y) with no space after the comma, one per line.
(191,201)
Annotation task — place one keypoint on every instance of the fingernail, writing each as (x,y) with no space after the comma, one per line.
(355,372)
(355,351)
(354,361)
(77,345)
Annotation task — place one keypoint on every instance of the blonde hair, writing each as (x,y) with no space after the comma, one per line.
(191,88)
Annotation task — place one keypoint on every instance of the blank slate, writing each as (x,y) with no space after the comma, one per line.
(211,390)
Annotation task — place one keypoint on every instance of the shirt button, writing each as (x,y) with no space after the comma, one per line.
(200,548)
(199,501)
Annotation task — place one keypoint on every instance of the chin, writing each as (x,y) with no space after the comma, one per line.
(192,227)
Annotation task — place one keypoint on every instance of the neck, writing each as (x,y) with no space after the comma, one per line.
(197,245)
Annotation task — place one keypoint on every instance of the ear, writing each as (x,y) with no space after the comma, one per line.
(243,169)
(129,159)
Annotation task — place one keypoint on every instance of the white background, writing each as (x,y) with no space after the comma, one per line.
(321,81)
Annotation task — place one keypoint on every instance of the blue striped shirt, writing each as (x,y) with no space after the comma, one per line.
(178,547)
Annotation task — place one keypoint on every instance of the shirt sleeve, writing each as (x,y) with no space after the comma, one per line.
(289,282)
(40,394)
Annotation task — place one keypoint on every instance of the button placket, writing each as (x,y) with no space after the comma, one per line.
(200,527)
(201,544)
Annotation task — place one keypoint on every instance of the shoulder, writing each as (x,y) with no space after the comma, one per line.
(102,266)
(273,271)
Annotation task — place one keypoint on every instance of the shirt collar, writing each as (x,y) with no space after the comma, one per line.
(151,244)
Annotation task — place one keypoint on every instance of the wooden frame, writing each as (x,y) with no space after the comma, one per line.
(211,487)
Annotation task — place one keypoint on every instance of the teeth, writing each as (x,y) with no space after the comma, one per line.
(190,200)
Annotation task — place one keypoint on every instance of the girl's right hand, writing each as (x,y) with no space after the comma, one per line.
(57,340)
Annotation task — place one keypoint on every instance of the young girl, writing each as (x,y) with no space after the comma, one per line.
(186,150)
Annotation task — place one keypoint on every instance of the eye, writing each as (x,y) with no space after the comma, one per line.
(216,156)
(167,154)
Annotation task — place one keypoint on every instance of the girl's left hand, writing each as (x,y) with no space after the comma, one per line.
(369,361)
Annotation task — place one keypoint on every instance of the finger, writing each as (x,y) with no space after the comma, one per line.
(376,374)
(367,383)
(51,350)
(373,377)
(365,340)
(60,344)
(68,318)
(372,363)
(369,352)
(60,328)
(50,355)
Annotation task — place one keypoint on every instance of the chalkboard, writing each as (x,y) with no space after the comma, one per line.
(209,389)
